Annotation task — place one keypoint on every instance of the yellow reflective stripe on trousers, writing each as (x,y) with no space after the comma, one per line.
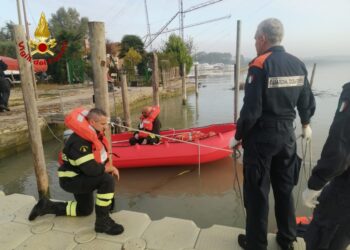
(67,174)
(71,208)
(102,203)
(81,160)
(107,196)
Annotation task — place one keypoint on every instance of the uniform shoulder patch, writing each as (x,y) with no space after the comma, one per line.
(84,149)
(259,61)
(343,106)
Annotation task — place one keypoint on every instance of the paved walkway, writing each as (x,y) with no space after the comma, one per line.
(50,232)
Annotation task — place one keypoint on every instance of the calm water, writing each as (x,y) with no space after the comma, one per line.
(211,197)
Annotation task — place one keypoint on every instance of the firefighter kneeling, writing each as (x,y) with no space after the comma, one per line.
(84,169)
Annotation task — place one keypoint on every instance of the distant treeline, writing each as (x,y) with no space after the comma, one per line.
(213,57)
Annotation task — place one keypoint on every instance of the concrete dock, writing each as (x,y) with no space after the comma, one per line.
(51,232)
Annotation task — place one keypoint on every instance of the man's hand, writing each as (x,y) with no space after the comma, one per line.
(233,143)
(306,132)
(113,171)
(310,197)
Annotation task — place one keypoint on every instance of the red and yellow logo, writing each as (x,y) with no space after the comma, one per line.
(42,43)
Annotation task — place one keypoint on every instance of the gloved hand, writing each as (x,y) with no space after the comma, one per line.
(233,143)
(306,132)
(310,197)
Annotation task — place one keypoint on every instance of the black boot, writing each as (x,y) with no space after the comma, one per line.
(242,241)
(45,206)
(105,224)
(284,244)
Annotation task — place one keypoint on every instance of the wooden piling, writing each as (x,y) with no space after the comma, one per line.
(126,107)
(184,90)
(164,80)
(99,64)
(155,80)
(31,113)
(312,75)
(99,69)
(196,78)
(237,70)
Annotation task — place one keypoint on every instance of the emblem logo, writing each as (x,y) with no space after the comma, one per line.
(84,149)
(343,106)
(42,44)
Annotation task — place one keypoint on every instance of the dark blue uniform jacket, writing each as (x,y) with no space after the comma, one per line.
(334,163)
(276,83)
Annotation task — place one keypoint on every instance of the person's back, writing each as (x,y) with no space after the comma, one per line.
(276,83)
(285,85)
(282,86)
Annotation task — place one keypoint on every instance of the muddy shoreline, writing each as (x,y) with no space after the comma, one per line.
(56,100)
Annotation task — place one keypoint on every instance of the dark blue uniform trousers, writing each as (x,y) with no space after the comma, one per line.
(330,227)
(270,158)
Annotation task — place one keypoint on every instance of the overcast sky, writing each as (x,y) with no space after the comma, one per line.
(312,27)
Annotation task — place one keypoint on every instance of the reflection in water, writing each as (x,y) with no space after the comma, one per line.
(209,198)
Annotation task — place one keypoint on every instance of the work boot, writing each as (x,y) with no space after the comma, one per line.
(285,245)
(242,241)
(107,225)
(104,223)
(45,206)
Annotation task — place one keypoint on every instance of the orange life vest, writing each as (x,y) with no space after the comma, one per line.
(76,121)
(147,122)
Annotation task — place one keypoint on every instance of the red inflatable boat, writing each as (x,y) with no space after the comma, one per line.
(177,147)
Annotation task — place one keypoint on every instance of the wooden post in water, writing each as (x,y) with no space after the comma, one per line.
(312,75)
(99,65)
(164,80)
(184,90)
(237,70)
(31,112)
(196,78)
(126,108)
(155,79)
(99,70)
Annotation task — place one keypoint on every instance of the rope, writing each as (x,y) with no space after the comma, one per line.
(171,139)
(234,155)
(53,134)
(305,147)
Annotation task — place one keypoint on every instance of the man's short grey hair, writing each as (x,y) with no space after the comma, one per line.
(272,28)
(95,113)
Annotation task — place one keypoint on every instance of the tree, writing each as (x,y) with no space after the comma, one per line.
(131,59)
(66,25)
(131,41)
(177,49)
(6,32)
(7,45)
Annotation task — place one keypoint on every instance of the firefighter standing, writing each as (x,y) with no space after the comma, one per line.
(330,227)
(276,83)
(85,169)
(5,88)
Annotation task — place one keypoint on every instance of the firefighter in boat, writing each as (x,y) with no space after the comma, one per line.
(149,127)
(85,167)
